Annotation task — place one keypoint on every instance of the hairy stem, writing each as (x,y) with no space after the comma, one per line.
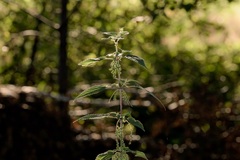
(121,136)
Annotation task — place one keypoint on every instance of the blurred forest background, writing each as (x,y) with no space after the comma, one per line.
(191,49)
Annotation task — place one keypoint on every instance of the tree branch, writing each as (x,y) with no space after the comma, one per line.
(31,68)
(35,15)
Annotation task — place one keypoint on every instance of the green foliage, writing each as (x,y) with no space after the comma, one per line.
(135,122)
(119,155)
(92,90)
(121,84)
(136,59)
(100,116)
(106,155)
(91,61)
(192,43)
(180,38)
(140,154)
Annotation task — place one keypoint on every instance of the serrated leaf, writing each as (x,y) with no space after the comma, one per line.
(92,90)
(135,122)
(140,154)
(136,59)
(106,155)
(91,61)
(99,116)
(110,33)
(135,84)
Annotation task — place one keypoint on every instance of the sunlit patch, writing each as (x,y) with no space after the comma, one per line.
(173,106)
(238,139)
(5,49)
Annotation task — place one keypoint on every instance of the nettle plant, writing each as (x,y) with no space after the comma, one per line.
(119,87)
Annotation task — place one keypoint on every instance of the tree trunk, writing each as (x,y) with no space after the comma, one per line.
(63,69)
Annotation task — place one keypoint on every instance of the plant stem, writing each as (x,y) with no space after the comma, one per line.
(119,78)
(121,112)
(120,99)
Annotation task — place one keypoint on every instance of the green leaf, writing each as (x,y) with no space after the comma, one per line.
(135,122)
(132,83)
(91,61)
(92,90)
(135,84)
(113,96)
(127,150)
(99,116)
(122,32)
(136,59)
(106,155)
(120,156)
(110,33)
(140,154)
(153,96)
